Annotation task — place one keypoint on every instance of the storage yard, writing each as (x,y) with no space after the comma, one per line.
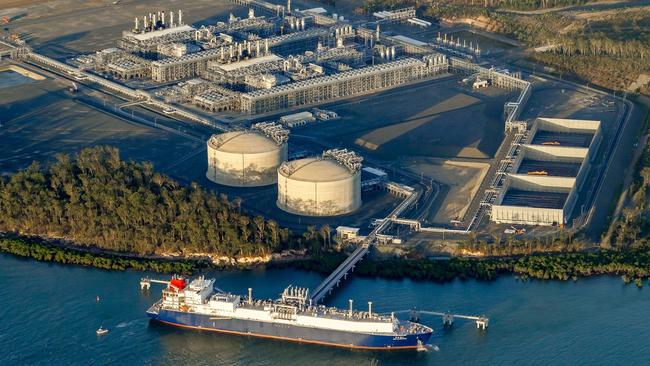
(312,119)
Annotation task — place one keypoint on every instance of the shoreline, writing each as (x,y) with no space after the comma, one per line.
(631,265)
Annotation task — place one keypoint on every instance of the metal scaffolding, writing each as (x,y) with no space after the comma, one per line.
(192,64)
(272,130)
(345,84)
(345,157)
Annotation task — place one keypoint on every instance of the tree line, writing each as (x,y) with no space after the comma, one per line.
(97,199)
(601,45)
(47,253)
(370,6)
(633,263)
(634,222)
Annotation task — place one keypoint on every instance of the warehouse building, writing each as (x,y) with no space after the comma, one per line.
(548,172)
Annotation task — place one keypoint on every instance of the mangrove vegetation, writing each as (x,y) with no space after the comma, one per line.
(41,251)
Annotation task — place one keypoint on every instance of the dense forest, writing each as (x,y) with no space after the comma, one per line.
(41,251)
(375,5)
(97,199)
(610,48)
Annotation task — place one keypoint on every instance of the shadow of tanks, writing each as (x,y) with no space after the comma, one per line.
(435,119)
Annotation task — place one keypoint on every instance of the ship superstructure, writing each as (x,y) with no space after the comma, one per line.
(198,304)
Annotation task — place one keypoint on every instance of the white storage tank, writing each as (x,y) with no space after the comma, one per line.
(245,158)
(318,186)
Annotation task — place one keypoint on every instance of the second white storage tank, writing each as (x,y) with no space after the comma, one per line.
(318,187)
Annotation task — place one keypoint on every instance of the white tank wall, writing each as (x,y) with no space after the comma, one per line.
(245,169)
(526,215)
(319,198)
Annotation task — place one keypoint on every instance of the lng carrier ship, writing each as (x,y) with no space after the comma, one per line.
(200,305)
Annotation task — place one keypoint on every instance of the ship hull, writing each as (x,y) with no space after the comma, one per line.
(279,331)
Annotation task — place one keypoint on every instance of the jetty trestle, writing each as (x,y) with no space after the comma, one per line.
(145,283)
(448,318)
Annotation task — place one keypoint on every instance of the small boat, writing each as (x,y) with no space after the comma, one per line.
(101,331)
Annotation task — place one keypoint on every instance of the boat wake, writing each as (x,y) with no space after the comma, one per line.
(428,347)
(124,324)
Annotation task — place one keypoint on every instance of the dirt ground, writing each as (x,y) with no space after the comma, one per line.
(39,119)
(65,28)
(463,179)
(8,4)
(437,119)
(377,138)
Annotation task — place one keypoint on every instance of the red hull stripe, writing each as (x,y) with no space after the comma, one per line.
(285,338)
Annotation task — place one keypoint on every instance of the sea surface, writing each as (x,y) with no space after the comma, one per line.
(49,314)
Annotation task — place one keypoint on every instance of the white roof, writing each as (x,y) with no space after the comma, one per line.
(374,171)
(409,40)
(316,10)
(382,14)
(419,21)
(347,228)
(110,50)
(242,142)
(297,116)
(315,170)
(161,32)
(249,62)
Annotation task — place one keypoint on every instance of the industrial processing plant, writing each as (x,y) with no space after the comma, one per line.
(440,128)
(261,63)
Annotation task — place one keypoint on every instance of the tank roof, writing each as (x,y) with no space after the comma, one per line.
(246,142)
(315,169)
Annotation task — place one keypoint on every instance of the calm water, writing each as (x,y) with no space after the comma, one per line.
(48,316)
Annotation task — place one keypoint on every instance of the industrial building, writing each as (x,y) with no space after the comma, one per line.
(326,185)
(548,171)
(297,119)
(247,158)
(262,64)
(345,84)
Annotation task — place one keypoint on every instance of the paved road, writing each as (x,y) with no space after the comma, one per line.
(617,166)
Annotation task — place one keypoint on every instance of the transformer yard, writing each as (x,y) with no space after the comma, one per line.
(312,118)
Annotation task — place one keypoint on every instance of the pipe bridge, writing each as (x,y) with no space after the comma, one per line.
(481,321)
(341,272)
(134,96)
